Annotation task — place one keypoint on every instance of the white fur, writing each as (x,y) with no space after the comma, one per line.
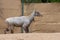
(22,20)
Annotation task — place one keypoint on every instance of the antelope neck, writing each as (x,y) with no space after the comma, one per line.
(31,16)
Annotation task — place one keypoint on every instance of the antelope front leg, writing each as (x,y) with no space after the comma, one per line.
(25,28)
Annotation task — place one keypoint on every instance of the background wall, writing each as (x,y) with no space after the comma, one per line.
(50,22)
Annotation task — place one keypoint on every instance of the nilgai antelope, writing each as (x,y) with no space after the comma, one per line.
(22,21)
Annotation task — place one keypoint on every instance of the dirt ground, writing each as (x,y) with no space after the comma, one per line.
(33,36)
(49,23)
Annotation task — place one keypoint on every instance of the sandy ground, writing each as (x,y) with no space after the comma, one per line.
(33,36)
